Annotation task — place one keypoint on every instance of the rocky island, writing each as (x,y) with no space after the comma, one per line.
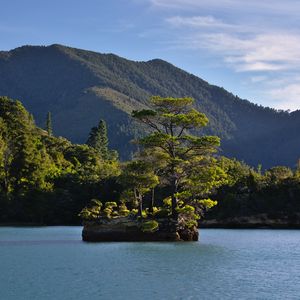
(129,229)
(117,223)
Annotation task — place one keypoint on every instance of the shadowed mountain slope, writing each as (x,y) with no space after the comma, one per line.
(79,87)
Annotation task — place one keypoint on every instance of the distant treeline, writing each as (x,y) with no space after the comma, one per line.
(248,192)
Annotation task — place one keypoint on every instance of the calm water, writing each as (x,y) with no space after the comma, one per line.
(53,263)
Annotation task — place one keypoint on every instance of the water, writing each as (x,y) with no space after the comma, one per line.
(53,263)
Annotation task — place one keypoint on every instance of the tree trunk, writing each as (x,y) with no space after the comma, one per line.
(152,201)
(174,199)
(140,207)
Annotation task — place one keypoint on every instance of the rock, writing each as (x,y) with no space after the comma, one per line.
(128,229)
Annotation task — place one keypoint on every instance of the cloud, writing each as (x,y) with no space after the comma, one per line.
(257,79)
(290,7)
(242,47)
(288,97)
(258,39)
(198,22)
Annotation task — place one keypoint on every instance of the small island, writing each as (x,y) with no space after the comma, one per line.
(167,182)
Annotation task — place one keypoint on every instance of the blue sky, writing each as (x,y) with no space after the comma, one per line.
(251,48)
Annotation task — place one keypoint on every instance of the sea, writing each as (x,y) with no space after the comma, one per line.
(53,263)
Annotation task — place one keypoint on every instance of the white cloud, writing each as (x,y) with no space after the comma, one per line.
(198,22)
(290,7)
(288,97)
(241,47)
(257,79)
(258,38)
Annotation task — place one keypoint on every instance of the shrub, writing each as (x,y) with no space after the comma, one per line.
(167,202)
(191,223)
(150,226)
(107,212)
(187,209)
(207,203)
(134,212)
(111,205)
(92,211)
(96,202)
(123,211)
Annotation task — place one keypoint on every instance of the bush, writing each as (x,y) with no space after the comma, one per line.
(92,211)
(134,212)
(107,212)
(167,202)
(111,205)
(150,226)
(208,203)
(187,209)
(191,223)
(123,211)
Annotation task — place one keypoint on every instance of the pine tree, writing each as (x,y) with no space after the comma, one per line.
(98,139)
(94,139)
(104,139)
(188,158)
(49,124)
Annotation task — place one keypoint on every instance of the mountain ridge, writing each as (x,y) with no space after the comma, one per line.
(80,86)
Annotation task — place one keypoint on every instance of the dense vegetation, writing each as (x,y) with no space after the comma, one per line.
(48,180)
(87,86)
(273,194)
(45,179)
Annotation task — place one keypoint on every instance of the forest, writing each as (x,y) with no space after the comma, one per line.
(47,180)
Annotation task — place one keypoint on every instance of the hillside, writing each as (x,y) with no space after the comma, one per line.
(79,87)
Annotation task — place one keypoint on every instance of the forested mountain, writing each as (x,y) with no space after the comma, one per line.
(80,87)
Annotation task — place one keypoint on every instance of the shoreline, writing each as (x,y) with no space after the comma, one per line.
(202,225)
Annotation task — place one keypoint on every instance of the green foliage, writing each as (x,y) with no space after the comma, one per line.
(188,209)
(150,226)
(134,212)
(186,163)
(278,174)
(99,141)
(49,124)
(107,212)
(167,202)
(45,179)
(92,211)
(123,211)
(274,193)
(139,178)
(208,203)
(191,223)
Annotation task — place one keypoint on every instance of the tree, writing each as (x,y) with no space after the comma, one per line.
(98,139)
(138,177)
(170,121)
(49,124)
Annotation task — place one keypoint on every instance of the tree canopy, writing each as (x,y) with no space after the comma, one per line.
(188,161)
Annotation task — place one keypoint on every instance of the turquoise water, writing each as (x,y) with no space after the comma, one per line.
(53,263)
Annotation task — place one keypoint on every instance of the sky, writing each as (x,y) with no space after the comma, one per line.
(251,48)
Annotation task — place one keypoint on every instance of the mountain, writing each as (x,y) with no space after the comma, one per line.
(79,87)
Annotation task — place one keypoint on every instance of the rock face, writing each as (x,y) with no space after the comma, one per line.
(125,229)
